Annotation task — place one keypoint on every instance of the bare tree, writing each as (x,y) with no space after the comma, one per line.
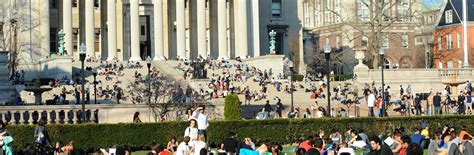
(372,20)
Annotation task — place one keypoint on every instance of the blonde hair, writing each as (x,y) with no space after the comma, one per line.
(201,137)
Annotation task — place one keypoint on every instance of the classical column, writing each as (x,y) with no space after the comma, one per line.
(222,29)
(90,24)
(201,28)
(30,119)
(300,61)
(134,31)
(67,26)
(158,28)
(241,40)
(255,29)
(180,29)
(111,30)
(45,36)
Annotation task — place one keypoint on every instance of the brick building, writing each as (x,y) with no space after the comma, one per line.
(448,47)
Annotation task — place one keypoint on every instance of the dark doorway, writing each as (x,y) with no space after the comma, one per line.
(281,31)
(145,35)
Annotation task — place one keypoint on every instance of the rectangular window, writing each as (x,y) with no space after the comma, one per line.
(459,40)
(405,41)
(448,15)
(306,11)
(440,64)
(450,64)
(440,43)
(327,12)
(460,63)
(142,30)
(363,10)
(276,8)
(52,4)
(327,41)
(337,41)
(449,42)
(97,40)
(96,3)
(337,9)
(385,41)
(364,41)
(75,39)
(53,40)
(317,12)
(418,41)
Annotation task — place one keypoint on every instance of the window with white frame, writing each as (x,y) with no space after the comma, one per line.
(449,42)
(337,41)
(276,8)
(327,12)
(363,10)
(327,41)
(317,12)
(385,41)
(440,43)
(405,41)
(337,9)
(448,15)
(306,15)
(440,64)
(450,64)
(458,37)
(364,41)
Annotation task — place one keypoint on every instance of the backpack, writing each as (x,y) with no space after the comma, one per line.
(468,99)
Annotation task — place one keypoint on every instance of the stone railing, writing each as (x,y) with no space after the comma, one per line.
(52,114)
(455,72)
(96,113)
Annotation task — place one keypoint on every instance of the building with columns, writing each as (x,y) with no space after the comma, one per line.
(162,29)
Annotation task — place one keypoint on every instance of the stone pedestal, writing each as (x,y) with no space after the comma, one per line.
(359,55)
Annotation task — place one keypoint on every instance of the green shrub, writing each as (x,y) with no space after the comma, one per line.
(280,131)
(232,108)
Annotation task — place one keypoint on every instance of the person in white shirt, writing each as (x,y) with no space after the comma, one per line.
(202,120)
(183,147)
(371,102)
(199,144)
(192,130)
(344,149)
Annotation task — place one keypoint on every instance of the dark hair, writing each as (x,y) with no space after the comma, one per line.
(414,149)
(203,151)
(231,134)
(312,151)
(318,142)
(135,115)
(376,139)
(301,151)
(406,139)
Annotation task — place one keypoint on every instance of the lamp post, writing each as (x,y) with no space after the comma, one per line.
(327,54)
(94,73)
(291,85)
(148,64)
(82,57)
(382,54)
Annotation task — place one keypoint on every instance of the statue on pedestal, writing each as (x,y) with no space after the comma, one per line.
(61,42)
(360,55)
(272,35)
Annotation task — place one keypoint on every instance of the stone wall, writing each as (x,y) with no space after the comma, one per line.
(275,62)
(50,68)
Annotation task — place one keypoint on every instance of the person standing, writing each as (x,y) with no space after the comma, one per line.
(279,108)
(437,104)
(469,103)
(183,147)
(192,130)
(202,120)
(417,104)
(401,90)
(371,103)
(136,117)
(41,137)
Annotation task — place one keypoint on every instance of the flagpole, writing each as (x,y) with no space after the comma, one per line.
(464,12)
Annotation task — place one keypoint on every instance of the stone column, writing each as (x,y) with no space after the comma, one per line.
(241,40)
(21,120)
(134,31)
(45,39)
(158,28)
(180,30)
(222,29)
(67,26)
(255,29)
(31,116)
(90,24)
(300,61)
(201,28)
(111,30)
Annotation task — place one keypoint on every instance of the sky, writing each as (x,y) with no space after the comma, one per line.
(433,3)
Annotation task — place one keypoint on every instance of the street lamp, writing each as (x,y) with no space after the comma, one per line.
(82,57)
(382,54)
(94,73)
(148,64)
(291,85)
(327,53)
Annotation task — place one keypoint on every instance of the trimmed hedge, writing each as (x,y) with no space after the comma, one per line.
(232,108)
(281,131)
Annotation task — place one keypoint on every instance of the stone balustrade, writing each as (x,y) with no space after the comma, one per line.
(95,113)
(52,114)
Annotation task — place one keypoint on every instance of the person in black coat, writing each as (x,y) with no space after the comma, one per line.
(437,104)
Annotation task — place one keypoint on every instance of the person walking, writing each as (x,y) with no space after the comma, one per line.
(371,103)
(437,104)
